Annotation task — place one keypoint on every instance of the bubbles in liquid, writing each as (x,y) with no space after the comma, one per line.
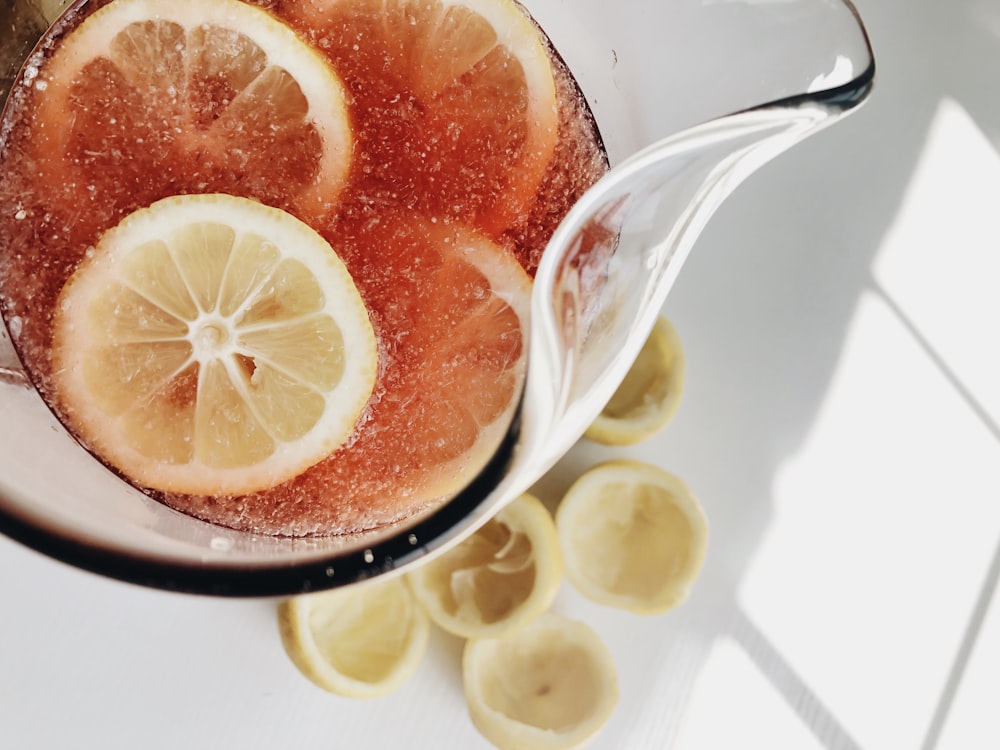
(221,544)
(123,155)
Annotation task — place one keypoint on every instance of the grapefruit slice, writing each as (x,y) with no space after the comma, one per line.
(455,102)
(212,345)
(146,99)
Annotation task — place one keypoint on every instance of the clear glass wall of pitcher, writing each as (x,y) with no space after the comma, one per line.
(691,96)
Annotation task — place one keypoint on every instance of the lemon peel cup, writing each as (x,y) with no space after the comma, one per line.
(633,536)
(552,685)
(500,578)
(362,641)
(649,396)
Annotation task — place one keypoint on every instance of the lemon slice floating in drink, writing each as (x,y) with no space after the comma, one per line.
(648,397)
(461,93)
(550,685)
(212,345)
(201,95)
(633,536)
(363,641)
(452,308)
(473,335)
(498,579)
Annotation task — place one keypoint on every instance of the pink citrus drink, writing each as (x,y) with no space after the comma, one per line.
(433,159)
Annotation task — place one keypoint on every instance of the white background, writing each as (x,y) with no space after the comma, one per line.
(841,425)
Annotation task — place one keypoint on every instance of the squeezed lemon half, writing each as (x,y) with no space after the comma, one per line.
(212,345)
(498,579)
(633,536)
(648,397)
(550,685)
(361,641)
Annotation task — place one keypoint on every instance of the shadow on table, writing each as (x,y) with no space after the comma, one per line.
(818,216)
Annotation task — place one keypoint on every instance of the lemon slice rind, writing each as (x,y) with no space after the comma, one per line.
(511,284)
(449,45)
(516,32)
(321,86)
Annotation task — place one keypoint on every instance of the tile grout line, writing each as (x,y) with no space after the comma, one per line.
(964,654)
(990,582)
(938,361)
(815,715)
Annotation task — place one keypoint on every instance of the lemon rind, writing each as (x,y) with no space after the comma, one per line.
(642,424)
(322,86)
(510,283)
(549,569)
(508,733)
(301,647)
(674,591)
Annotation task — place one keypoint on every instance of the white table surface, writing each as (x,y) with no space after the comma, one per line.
(841,425)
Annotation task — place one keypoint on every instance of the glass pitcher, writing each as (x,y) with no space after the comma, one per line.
(690,96)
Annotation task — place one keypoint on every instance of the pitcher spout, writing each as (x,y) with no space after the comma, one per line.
(609,267)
